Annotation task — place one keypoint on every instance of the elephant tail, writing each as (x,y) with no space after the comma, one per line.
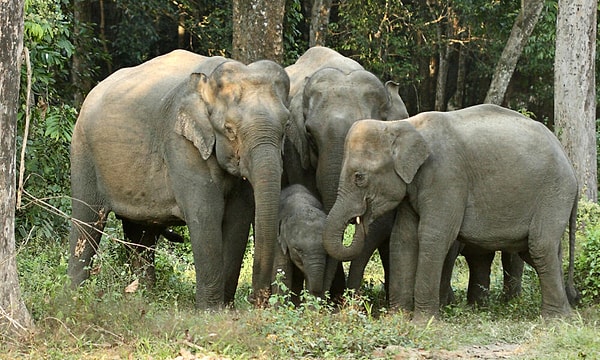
(572,293)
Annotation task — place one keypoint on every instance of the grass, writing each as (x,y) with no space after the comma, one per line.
(101,321)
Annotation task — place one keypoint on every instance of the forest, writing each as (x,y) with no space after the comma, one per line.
(443,54)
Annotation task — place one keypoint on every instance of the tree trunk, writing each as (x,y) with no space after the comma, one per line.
(81,15)
(258,30)
(519,35)
(574,89)
(319,21)
(14,317)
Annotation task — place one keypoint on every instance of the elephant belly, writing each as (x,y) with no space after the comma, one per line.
(138,188)
(494,234)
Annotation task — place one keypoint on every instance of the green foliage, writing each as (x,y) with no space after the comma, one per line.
(47,35)
(293,42)
(587,261)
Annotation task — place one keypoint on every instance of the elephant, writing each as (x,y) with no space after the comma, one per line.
(484,175)
(328,93)
(184,139)
(300,254)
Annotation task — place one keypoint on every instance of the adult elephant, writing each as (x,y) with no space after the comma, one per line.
(480,175)
(328,93)
(184,139)
(299,255)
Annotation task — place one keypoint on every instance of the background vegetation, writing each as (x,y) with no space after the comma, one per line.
(397,40)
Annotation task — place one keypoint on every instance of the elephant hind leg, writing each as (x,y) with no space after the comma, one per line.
(512,269)
(141,248)
(545,256)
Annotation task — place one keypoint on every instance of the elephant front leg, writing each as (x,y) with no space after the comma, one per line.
(436,235)
(239,213)
(207,246)
(403,252)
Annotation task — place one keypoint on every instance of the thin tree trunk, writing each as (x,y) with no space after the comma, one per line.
(81,15)
(319,21)
(14,317)
(258,30)
(519,35)
(574,89)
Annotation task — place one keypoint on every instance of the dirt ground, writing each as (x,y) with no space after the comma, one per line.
(495,351)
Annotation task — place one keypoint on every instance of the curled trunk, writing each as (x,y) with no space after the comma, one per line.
(333,235)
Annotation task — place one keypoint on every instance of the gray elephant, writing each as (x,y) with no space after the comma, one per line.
(300,254)
(485,175)
(328,93)
(184,139)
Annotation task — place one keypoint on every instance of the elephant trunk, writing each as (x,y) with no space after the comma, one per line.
(265,178)
(328,174)
(315,275)
(333,235)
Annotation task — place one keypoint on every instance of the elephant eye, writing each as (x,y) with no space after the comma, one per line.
(360,179)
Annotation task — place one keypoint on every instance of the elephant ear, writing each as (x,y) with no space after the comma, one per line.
(395,108)
(193,117)
(295,131)
(409,151)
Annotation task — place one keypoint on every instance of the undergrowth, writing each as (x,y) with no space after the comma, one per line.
(102,320)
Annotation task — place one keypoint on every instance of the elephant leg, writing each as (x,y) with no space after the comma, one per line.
(378,237)
(546,258)
(86,233)
(480,263)
(403,255)
(142,249)
(437,231)
(238,216)
(512,268)
(446,291)
(384,255)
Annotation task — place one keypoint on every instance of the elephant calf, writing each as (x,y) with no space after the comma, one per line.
(300,254)
(485,175)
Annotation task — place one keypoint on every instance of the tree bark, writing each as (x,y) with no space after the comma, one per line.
(258,30)
(81,15)
(14,317)
(319,21)
(574,89)
(519,35)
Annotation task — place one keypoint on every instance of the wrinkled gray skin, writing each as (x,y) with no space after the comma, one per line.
(480,175)
(328,93)
(300,254)
(172,141)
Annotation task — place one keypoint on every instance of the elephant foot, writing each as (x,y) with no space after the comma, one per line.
(260,298)
(423,318)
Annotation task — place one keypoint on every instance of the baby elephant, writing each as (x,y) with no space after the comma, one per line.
(300,254)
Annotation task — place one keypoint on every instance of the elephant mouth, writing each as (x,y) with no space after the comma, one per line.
(356,227)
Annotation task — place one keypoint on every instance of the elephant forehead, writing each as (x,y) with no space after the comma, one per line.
(364,135)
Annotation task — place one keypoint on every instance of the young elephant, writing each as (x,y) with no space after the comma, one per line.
(300,254)
(485,175)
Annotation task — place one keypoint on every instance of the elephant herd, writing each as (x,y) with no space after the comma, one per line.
(298,154)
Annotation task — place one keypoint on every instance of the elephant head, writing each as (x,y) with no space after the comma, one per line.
(381,159)
(322,114)
(237,113)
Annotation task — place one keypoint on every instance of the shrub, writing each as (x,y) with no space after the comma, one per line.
(587,260)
